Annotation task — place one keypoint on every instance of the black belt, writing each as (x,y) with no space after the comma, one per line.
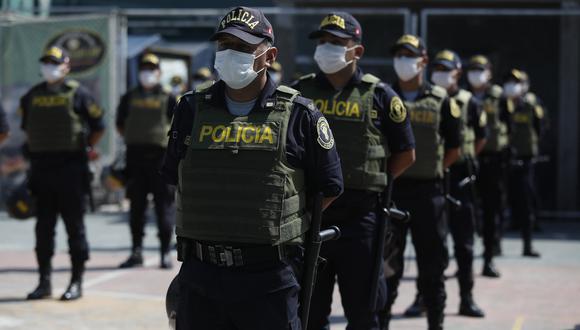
(223,255)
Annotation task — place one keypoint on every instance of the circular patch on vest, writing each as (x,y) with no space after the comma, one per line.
(455,111)
(325,138)
(398,112)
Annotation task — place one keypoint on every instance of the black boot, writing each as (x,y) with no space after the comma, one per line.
(165,261)
(529,252)
(489,270)
(417,308)
(435,319)
(43,290)
(74,290)
(467,307)
(134,260)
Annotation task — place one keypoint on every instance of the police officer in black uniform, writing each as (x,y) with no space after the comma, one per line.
(436,122)
(61,121)
(367,119)
(526,128)
(143,119)
(4,128)
(492,160)
(245,156)
(446,74)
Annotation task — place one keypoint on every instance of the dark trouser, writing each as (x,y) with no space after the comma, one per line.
(492,193)
(350,261)
(219,298)
(521,198)
(144,178)
(425,202)
(462,227)
(58,185)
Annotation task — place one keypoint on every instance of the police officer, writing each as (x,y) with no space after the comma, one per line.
(143,119)
(61,120)
(276,72)
(524,137)
(491,181)
(367,119)
(436,122)
(446,74)
(202,75)
(4,128)
(244,154)
(178,86)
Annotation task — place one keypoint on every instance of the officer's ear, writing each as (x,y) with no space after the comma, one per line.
(424,61)
(271,55)
(359,51)
(458,73)
(66,68)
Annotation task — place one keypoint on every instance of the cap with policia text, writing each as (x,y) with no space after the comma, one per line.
(340,24)
(479,62)
(411,43)
(55,54)
(248,24)
(149,59)
(448,58)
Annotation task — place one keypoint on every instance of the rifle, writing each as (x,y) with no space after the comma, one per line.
(385,213)
(314,240)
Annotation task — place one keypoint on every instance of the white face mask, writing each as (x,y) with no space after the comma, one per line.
(331,58)
(443,79)
(478,78)
(236,68)
(512,89)
(148,78)
(407,68)
(52,72)
(176,90)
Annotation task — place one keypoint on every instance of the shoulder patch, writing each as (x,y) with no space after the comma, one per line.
(397,111)
(204,86)
(437,91)
(539,111)
(95,111)
(325,138)
(287,90)
(496,91)
(455,110)
(511,107)
(531,98)
(463,96)
(483,119)
(70,83)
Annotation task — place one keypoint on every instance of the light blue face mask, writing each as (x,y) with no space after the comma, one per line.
(236,68)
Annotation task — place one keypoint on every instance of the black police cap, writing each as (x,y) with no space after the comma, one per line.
(55,54)
(149,59)
(515,74)
(246,23)
(447,58)
(340,24)
(479,62)
(412,43)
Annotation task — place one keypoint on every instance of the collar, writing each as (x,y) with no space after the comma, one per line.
(423,89)
(218,94)
(354,80)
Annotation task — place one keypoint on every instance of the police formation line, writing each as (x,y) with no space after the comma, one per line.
(247,157)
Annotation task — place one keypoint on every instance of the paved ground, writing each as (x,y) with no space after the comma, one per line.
(532,294)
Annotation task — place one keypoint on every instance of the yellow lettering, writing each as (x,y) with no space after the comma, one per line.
(238,133)
(267,135)
(218,137)
(229,136)
(354,111)
(320,105)
(341,107)
(205,131)
(245,137)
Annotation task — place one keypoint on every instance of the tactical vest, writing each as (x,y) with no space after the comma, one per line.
(425,115)
(524,138)
(360,144)
(497,137)
(235,183)
(52,124)
(468,133)
(147,121)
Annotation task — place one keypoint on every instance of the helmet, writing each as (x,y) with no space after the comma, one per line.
(20,203)
(171,300)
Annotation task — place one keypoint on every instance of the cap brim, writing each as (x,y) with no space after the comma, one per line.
(319,33)
(477,67)
(408,47)
(245,36)
(448,64)
(52,58)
